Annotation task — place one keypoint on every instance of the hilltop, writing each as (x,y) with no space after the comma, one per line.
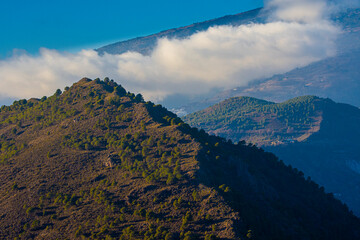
(98,162)
(315,135)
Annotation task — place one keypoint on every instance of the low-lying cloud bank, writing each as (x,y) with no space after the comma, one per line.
(297,34)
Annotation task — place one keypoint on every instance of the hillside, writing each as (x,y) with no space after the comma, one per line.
(98,162)
(315,135)
(268,123)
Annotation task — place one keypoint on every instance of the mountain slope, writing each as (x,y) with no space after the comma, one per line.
(315,135)
(259,121)
(98,162)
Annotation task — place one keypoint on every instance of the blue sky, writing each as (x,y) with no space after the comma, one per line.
(72,25)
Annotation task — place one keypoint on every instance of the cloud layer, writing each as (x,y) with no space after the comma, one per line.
(221,57)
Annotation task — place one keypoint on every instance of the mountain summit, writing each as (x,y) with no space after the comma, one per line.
(97,162)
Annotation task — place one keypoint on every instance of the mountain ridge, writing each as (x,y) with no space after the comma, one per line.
(146,44)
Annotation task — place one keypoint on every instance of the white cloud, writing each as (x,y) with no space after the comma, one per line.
(221,57)
(306,11)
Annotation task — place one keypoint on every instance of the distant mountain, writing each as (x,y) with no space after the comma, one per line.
(334,77)
(145,45)
(315,135)
(98,162)
(337,78)
(348,20)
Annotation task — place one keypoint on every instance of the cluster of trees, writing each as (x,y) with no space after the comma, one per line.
(82,141)
(114,216)
(8,149)
(139,153)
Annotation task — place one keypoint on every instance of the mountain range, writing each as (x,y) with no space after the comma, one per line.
(315,135)
(334,77)
(98,162)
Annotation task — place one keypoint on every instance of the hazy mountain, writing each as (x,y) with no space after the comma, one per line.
(97,162)
(348,20)
(315,135)
(335,77)
(145,45)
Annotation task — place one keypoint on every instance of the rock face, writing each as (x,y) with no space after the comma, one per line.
(129,169)
(112,160)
